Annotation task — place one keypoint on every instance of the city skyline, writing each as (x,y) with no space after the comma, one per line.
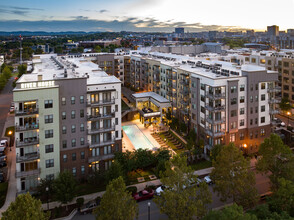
(142,15)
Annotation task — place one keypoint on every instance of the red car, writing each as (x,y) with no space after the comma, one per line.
(143,195)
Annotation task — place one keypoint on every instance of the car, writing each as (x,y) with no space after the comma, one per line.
(283,124)
(208,180)
(143,195)
(159,190)
(11,109)
(3,143)
(2,179)
(3,160)
(88,207)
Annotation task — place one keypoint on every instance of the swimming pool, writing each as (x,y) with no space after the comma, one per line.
(136,136)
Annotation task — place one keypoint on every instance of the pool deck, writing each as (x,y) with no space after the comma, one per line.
(127,144)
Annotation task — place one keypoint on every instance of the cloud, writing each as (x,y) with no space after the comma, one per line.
(22,11)
(103,10)
(99,11)
(82,23)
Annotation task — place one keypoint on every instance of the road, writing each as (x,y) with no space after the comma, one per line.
(5,101)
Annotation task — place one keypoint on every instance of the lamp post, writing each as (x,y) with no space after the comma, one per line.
(47,192)
(10,133)
(288,113)
(245,149)
(149,204)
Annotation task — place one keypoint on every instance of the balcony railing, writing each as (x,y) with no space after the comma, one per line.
(109,142)
(275,100)
(27,112)
(28,157)
(215,134)
(215,96)
(216,120)
(27,127)
(101,157)
(101,102)
(27,142)
(275,89)
(101,116)
(99,130)
(274,111)
(217,108)
(184,82)
(28,173)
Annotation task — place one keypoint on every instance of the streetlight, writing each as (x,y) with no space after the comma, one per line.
(288,113)
(47,192)
(9,134)
(149,204)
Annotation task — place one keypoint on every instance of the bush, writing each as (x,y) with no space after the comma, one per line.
(80,202)
(150,188)
(98,199)
(132,189)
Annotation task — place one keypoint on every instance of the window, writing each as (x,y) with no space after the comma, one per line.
(49,148)
(64,144)
(48,119)
(73,142)
(64,157)
(107,150)
(262,119)
(73,100)
(286,64)
(242,122)
(242,88)
(202,98)
(256,98)
(251,135)
(63,115)
(63,129)
(74,171)
(251,87)
(251,110)
(50,177)
(233,125)
(232,137)
(242,99)
(233,113)
(241,136)
(233,101)
(73,114)
(256,121)
(202,109)
(82,114)
(73,156)
(262,97)
(251,98)
(256,86)
(242,111)
(256,109)
(49,133)
(116,134)
(48,103)
(116,121)
(202,86)
(233,89)
(82,155)
(262,132)
(49,163)
(82,141)
(251,121)
(81,99)
(262,108)
(116,108)
(262,85)
(116,147)
(82,170)
(63,101)
(256,134)
(73,129)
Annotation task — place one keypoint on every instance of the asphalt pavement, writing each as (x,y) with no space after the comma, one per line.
(5,101)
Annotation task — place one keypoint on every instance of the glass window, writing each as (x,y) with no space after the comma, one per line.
(242,111)
(242,122)
(262,108)
(74,156)
(232,137)
(48,119)
(233,101)
(74,171)
(64,158)
(73,142)
(82,128)
(63,101)
(63,129)
(63,115)
(242,99)
(64,144)
(81,99)
(49,163)
(82,141)
(73,100)
(73,114)
(48,103)
(49,133)
(242,88)
(82,114)
(262,85)
(82,170)
(49,148)
(262,97)
(262,119)
(82,155)
(73,129)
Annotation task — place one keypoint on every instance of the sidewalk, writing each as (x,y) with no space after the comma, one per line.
(11,191)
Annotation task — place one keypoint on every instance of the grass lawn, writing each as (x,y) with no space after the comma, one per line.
(9,129)
(132,176)
(3,191)
(124,106)
(201,165)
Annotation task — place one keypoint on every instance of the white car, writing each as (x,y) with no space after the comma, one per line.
(159,190)
(11,109)
(208,180)
(3,143)
(283,124)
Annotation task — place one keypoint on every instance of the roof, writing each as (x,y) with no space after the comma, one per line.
(152,95)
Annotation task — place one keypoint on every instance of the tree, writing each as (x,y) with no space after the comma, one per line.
(6,72)
(263,212)
(115,171)
(117,203)
(39,51)
(215,151)
(285,104)
(230,212)
(276,159)
(22,69)
(97,49)
(65,187)
(58,50)
(25,207)
(181,199)
(232,177)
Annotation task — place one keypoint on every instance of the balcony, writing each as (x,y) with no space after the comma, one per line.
(274,111)
(217,108)
(27,127)
(100,116)
(109,142)
(185,92)
(274,100)
(28,157)
(215,96)
(185,82)
(27,112)
(215,134)
(184,102)
(156,79)
(275,89)
(216,121)
(27,142)
(101,102)
(99,130)
(99,158)
(28,173)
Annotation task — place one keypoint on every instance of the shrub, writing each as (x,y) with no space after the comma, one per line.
(80,202)
(98,199)
(132,189)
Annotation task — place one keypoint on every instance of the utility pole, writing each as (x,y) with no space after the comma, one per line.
(20,51)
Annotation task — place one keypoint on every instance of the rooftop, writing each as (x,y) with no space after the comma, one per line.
(153,95)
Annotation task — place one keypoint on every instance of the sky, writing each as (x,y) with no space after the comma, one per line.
(144,15)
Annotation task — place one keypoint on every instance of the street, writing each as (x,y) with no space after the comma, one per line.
(5,101)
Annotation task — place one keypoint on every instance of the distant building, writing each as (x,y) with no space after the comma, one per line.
(179,30)
(273,31)
(101,43)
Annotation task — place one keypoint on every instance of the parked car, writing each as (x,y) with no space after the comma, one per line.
(2,180)
(3,161)
(88,207)
(143,195)
(208,180)
(3,143)
(159,190)
(283,124)
(2,151)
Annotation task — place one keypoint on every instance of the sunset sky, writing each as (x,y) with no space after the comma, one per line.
(144,15)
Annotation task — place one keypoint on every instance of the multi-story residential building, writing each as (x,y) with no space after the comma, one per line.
(222,101)
(67,117)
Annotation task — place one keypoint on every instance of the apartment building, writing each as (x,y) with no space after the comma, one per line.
(67,117)
(222,101)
